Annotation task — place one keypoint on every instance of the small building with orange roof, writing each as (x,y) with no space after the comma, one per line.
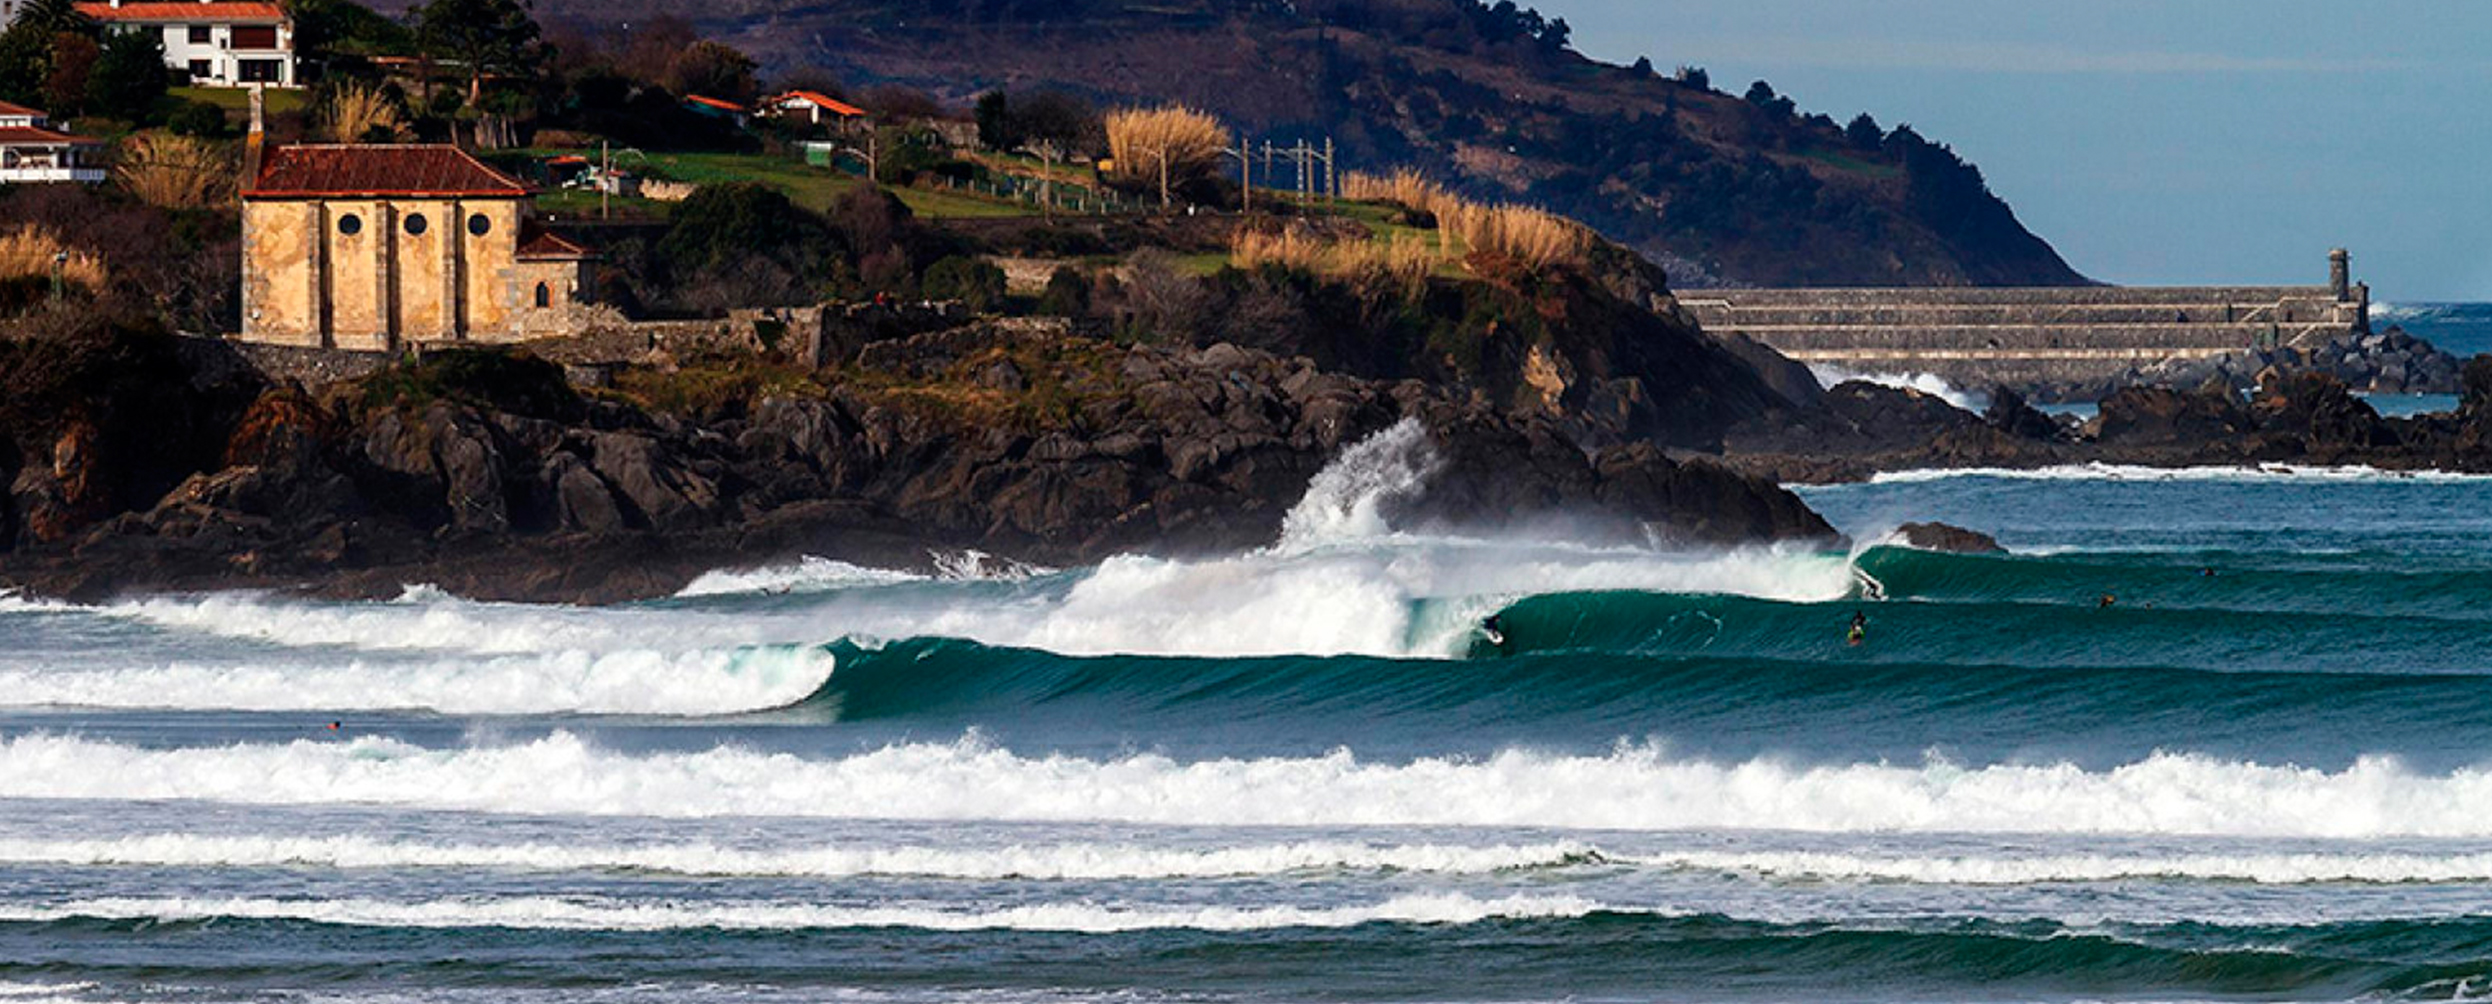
(813,108)
(31,151)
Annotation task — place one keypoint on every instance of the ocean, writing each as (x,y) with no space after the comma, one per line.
(2261,771)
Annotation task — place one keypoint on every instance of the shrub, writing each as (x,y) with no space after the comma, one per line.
(518,383)
(1067,295)
(359,113)
(1534,237)
(175,172)
(30,253)
(197,118)
(976,282)
(1405,261)
(1143,140)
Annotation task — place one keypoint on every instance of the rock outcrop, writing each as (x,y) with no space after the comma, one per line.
(487,476)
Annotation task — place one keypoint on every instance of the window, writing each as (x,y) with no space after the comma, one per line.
(544,295)
(416,224)
(259,71)
(479,224)
(350,224)
(255,37)
(199,35)
(201,69)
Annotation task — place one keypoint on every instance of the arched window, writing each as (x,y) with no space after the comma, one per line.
(544,295)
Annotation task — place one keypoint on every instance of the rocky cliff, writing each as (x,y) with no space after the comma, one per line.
(136,460)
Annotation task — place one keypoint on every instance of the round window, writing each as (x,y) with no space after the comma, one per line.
(480,224)
(416,224)
(350,224)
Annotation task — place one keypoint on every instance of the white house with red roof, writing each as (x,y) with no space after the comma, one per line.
(219,43)
(32,151)
(814,108)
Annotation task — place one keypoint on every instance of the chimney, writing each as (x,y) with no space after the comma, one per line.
(255,144)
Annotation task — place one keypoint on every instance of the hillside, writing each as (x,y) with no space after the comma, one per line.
(1721,188)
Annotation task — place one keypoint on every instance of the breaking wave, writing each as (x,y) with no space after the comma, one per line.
(1632,788)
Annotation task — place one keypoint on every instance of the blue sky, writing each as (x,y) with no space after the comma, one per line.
(2150,141)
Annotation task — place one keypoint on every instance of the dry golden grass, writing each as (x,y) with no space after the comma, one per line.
(361,114)
(175,172)
(1405,261)
(1534,237)
(29,252)
(1138,139)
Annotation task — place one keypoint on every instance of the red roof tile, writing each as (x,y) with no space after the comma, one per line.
(10,110)
(215,10)
(402,171)
(824,101)
(545,244)
(26,136)
(724,106)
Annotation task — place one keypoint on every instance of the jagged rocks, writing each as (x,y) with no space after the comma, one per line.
(1947,539)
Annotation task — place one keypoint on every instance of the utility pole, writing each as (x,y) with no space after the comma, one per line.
(605,179)
(1332,175)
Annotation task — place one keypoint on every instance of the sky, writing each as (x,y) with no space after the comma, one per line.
(2150,141)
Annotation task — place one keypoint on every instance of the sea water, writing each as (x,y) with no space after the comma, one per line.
(2216,734)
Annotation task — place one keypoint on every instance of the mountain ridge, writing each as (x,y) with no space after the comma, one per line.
(1722,189)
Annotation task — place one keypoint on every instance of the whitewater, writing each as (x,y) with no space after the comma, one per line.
(2220,733)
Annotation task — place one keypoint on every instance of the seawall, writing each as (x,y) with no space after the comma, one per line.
(2034,339)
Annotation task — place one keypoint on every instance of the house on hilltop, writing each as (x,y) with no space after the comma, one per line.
(218,43)
(32,151)
(813,108)
(379,247)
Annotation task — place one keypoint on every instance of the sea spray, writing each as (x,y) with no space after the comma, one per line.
(1347,499)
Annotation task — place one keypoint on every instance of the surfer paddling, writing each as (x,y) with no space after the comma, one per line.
(1859,634)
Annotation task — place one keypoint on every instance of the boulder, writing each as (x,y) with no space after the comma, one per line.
(1947,539)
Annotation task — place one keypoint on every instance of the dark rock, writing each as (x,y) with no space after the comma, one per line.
(1948,539)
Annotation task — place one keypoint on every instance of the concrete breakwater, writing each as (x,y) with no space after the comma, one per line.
(2046,341)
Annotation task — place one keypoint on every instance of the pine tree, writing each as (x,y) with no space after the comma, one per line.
(484,36)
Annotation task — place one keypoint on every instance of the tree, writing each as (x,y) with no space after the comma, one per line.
(53,17)
(129,75)
(1696,77)
(328,32)
(65,87)
(712,69)
(483,37)
(1864,133)
(994,115)
(976,282)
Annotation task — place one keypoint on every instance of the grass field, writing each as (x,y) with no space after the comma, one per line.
(810,187)
(235,99)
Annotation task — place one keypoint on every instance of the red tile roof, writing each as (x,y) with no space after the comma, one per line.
(724,106)
(215,10)
(824,101)
(400,171)
(544,245)
(26,136)
(16,111)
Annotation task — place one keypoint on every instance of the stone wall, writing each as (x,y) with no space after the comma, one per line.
(2033,339)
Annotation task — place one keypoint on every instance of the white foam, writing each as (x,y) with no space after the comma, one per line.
(549,913)
(1048,862)
(810,574)
(2262,869)
(1633,788)
(2130,472)
(716,682)
(1829,376)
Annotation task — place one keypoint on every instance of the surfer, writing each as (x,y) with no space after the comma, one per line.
(2107,602)
(1494,629)
(1859,635)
